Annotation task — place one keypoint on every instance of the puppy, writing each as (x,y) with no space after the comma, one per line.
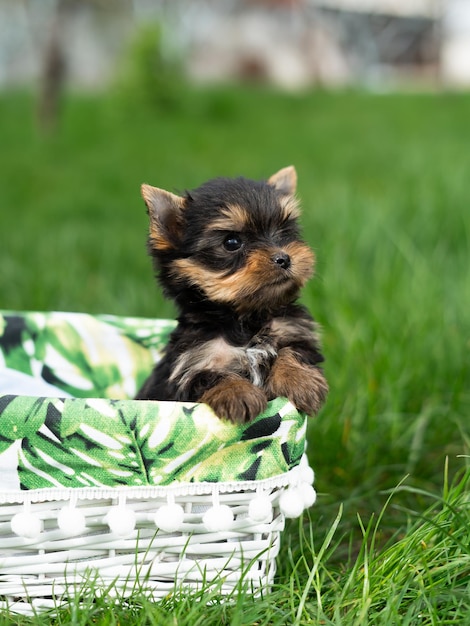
(231,256)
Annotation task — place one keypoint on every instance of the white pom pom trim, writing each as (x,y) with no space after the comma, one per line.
(26,525)
(291,502)
(169,517)
(309,495)
(218,518)
(71,521)
(121,520)
(260,509)
(307,475)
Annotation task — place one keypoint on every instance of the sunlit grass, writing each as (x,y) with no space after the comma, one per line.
(420,575)
(384,188)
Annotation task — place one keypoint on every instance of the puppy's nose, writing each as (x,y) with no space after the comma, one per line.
(282,259)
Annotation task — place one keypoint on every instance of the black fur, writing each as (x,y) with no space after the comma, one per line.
(241,338)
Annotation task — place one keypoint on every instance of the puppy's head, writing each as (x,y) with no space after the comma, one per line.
(235,242)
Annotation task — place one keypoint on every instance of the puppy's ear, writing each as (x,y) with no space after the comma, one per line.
(165,210)
(285,181)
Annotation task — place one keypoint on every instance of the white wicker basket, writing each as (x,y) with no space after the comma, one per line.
(216,521)
(50,549)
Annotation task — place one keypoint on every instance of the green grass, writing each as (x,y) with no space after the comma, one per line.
(384,186)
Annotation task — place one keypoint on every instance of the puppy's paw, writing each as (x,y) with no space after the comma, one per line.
(305,386)
(235,399)
(310,392)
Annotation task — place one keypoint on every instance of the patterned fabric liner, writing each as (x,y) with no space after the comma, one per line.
(90,438)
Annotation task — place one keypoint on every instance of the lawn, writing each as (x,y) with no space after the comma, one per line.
(384,186)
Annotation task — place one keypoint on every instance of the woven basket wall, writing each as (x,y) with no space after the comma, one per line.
(90,491)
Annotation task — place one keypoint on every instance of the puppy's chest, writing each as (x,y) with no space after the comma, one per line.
(253,360)
(259,360)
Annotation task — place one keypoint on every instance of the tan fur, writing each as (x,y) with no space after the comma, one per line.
(158,240)
(165,209)
(290,207)
(303,385)
(285,180)
(277,351)
(259,270)
(233,218)
(216,355)
(235,398)
(286,330)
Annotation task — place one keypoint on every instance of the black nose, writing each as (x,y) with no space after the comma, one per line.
(282,259)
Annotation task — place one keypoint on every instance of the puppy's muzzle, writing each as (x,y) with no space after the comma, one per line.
(282,259)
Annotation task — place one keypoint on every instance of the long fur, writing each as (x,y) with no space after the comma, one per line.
(231,256)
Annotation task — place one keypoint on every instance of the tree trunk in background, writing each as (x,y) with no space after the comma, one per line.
(54,68)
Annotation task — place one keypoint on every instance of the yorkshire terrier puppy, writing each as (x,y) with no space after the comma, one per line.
(230,255)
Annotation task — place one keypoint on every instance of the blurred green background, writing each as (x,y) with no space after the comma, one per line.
(384,185)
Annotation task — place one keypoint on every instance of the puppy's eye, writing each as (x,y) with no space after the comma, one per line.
(233,242)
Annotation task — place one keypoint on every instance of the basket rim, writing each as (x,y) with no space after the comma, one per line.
(285,479)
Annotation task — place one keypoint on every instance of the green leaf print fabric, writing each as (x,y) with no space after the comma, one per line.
(100,438)
(87,356)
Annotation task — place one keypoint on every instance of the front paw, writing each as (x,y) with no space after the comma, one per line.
(305,386)
(310,391)
(235,399)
